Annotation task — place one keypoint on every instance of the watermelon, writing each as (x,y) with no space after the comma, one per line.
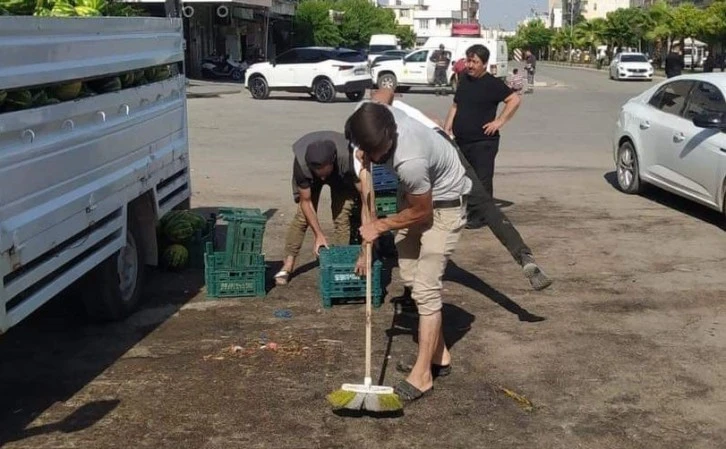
(19,99)
(150,74)
(171,216)
(175,257)
(105,85)
(178,231)
(139,78)
(68,91)
(127,79)
(161,73)
(198,222)
(39,97)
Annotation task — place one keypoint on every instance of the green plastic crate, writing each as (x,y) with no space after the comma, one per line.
(245,233)
(224,281)
(337,278)
(386,205)
(197,246)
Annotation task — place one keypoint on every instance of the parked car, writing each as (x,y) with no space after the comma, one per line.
(631,66)
(390,55)
(320,71)
(674,136)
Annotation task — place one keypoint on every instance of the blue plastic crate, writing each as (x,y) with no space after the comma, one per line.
(384,180)
(337,278)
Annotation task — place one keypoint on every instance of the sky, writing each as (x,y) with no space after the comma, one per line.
(507,13)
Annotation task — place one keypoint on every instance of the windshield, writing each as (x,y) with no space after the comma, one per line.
(377,49)
(633,58)
(350,56)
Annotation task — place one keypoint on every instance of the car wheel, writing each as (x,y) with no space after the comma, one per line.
(237,75)
(387,81)
(113,288)
(324,90)
(355,96)
(259,88)
(628,169)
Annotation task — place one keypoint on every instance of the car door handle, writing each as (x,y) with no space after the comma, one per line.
(679,137)
(644,125)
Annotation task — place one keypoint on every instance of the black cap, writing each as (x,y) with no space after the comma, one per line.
(320,153)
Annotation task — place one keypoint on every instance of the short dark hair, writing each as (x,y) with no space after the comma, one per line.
(515,71)
(370,127)
(479,50)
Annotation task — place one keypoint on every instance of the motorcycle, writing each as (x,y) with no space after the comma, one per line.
(223,67)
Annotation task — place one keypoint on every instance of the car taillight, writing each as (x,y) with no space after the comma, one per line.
(344,67)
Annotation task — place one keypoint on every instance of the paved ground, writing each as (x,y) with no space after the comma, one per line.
(626,350)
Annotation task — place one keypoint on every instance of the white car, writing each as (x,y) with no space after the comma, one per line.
(626,66)
(319,71)
(674,136)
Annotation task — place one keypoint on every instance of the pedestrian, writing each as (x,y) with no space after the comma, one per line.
(709,63)
(320,158)
(459,69)
(481,207)
(530,67)
(429,222)
(441,58)
(472,118)
(516,82)
(674,62)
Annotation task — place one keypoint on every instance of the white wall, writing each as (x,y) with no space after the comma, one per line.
(599,8)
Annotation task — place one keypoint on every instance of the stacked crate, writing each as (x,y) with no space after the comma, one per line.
(239,270)
(385,186)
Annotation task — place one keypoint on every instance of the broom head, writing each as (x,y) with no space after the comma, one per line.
(372,398)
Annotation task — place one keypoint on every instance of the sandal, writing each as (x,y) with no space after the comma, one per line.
(436,370)
(409,393)
(282,277)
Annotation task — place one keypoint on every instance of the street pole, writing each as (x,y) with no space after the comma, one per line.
(572,14)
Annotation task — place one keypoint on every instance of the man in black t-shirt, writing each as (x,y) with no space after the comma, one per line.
(321,158)
(473,119)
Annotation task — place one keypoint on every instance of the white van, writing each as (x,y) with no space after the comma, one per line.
(499,54)
(380,43)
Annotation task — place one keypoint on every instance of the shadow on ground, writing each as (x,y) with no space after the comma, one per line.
(673,201)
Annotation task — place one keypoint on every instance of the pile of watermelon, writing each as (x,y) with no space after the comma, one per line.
(38,96)
(178,230)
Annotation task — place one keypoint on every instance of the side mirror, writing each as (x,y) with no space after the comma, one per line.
(710,120)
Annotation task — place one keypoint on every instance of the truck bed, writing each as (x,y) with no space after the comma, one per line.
(68,171)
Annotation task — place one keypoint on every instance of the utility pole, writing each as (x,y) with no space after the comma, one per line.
(572,19)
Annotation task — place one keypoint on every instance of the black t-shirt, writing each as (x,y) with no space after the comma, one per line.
(477,100)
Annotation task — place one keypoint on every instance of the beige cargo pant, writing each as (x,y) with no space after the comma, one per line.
(424,251)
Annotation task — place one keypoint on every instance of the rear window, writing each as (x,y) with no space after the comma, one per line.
(349,56)
(633,58)
(376,49)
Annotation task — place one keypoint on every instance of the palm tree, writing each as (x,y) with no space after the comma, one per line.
(591,33)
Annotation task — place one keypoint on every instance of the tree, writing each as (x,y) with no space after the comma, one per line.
(313,26)
(714,23)
(534,36)
(591,33)
(406,36)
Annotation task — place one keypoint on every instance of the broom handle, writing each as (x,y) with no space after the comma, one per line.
(369,263)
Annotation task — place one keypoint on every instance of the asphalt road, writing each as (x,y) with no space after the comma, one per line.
(625,350)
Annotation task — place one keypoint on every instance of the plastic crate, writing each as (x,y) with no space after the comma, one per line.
(384,180)
(197,246)
(386,205)
(233,282)
(337,278)
(245,234)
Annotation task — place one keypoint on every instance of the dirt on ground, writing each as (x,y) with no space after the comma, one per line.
(625,350)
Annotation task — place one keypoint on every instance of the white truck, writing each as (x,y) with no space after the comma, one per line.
(83,182)
(379,43)
(416,68)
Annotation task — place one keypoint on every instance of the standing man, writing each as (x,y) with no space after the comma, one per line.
(530,67)
(429,222)
(674,62)
(441,58)
(473,119)
(320,158)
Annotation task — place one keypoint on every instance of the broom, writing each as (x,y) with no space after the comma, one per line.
(366,396)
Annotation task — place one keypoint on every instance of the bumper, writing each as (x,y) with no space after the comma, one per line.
(354,86)
(635,76)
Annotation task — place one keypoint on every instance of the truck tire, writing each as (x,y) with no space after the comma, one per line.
(387,81)
(112,291)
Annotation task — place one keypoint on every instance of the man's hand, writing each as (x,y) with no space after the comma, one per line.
(360,264)
(492,127)
(371,231)
(320,241)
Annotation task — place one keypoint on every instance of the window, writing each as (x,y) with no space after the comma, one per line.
(419,56)
(348,56)
(405,13)
(423,24)
(310,56)
(289,57)
(443,22)
(633,58)
(705,98)
(671,98)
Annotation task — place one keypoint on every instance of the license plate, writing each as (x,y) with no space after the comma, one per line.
(360,71)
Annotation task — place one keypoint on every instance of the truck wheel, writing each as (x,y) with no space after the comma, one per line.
(258,87)
(113,289)
(324,90)
(355,96)
(388,81)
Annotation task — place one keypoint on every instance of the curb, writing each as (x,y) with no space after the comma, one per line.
(210,93)
(585,68)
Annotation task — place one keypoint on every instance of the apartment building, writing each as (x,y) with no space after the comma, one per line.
(433,18)
(593,9)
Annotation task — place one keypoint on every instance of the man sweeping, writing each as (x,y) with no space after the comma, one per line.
(429,223)
(320,158)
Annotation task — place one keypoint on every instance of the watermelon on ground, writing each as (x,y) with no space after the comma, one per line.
(179,231)
(175,257)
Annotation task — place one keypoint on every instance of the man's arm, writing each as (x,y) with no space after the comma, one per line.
(511,104)
(420,210)
(449,124)
(308,209)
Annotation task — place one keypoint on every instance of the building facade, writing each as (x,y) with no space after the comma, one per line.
(243,29)
(593,9)
(433,18)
